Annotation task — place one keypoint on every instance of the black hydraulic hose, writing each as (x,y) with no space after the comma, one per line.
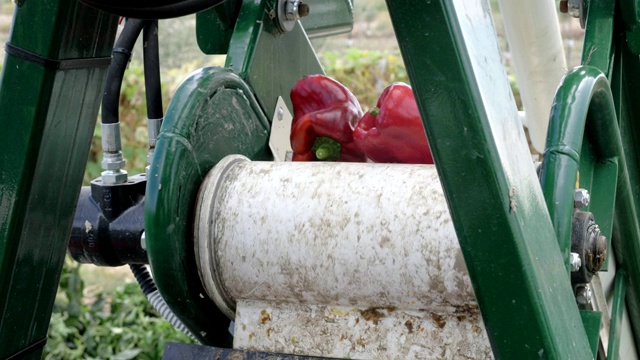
(150,290)
(152,70)
(164,9)
(119,60)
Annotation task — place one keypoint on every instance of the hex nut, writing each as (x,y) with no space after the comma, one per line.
(113,165)
(303,10)
(114,177)
(581,198)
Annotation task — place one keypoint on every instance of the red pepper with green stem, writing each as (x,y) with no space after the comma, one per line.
(325,113)
(392,131)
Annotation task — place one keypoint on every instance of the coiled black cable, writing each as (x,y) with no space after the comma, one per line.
(161,9)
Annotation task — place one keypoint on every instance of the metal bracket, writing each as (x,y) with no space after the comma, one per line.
(279,141)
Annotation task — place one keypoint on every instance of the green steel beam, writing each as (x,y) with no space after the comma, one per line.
(626,234)
(597,50)
(47,118)
(495,200)
(617,311)
(614,55)
(592,321)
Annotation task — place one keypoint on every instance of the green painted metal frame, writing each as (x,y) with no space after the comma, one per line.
(261,54)
(212,114)
(617,311)
(513,257)
(215,27)
(47,118)
(611,45)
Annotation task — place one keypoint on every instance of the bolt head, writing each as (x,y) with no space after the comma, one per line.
(583,294)
(581,198)
(575,262)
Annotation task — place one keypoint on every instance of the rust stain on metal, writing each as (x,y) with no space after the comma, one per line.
(372,314)
(264,317)
(439,320)
(409,326)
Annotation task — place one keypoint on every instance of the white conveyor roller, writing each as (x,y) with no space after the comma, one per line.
(293,240)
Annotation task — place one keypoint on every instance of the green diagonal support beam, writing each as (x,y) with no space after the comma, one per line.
(504,229)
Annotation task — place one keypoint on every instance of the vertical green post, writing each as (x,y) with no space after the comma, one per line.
(504,229)
(48,109)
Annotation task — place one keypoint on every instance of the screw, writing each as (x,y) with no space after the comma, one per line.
(280,113)
(575,262)
(581,198)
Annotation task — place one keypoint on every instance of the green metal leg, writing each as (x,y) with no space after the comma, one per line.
(47,118)
(495,200)
(616,316)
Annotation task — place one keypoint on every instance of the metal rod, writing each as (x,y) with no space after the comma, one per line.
(536,49)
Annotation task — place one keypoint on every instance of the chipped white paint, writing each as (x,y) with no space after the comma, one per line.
(322,236)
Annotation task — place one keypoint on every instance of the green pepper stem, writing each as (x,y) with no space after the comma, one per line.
(323,152)
(326,149)
(374,111)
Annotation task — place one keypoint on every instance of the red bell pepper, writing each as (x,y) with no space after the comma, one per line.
(325,113)
(392,132)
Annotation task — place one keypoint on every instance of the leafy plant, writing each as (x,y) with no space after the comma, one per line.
(117,325)
(366,73)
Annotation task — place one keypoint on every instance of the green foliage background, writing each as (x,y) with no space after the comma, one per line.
(118,325)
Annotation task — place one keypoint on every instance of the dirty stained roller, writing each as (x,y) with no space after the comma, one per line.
(280,244)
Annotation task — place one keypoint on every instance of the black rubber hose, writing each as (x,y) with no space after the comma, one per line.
(119,60)
(149,289)
(165,9)
(153,90)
